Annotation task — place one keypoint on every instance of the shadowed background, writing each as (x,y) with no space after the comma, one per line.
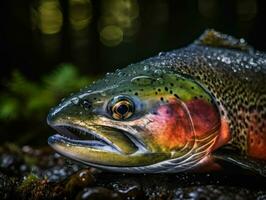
(50,48)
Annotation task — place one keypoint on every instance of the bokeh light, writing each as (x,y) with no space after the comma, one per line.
(119,21)
(49,16)
(246,9)
(80,13)
(208,8)
(111,35)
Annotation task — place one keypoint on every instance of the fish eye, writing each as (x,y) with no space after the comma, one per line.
(121,108)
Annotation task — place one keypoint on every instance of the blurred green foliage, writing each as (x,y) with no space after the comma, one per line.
(26,102)
(26,99)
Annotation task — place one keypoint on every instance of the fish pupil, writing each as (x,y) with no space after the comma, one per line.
(122,109)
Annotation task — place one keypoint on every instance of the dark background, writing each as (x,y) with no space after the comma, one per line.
(159,25)
(98,36)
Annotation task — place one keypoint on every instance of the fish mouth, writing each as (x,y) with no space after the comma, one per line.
(104,147)
(97,138)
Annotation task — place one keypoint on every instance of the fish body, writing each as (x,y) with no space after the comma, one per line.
(171,112)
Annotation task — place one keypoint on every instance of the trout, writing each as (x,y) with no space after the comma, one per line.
(180,110)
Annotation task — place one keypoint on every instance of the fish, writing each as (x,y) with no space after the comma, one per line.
(181,110)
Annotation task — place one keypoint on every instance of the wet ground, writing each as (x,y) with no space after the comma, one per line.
(27,173)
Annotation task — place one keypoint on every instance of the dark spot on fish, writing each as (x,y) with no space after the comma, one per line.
(166,88)
(171,92)
(241,137)
(176,96)
(130,90)
(136,94)
(259,108)
(192,88)
(156,93)
(141,89)
(167,111)
(159,89)
(172,84)
(161,98)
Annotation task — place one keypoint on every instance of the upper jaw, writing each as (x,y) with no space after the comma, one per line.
(77,136)
(103,138)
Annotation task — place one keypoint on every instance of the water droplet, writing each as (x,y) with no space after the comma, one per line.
(242,41)
(226,60)
(161,54)
(160,80)
(157,71)
(251,62)
(75,100)
(146,68)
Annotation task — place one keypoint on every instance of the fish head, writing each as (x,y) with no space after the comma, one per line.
(137,120)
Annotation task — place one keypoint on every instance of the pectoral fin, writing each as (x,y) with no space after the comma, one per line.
(245,162)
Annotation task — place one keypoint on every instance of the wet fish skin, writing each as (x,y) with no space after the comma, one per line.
(187,103)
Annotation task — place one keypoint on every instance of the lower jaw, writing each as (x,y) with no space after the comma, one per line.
(91,144)
(99,155)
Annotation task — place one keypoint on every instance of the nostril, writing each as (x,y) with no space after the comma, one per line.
(86,104)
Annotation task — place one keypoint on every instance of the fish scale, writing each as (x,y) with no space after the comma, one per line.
(238,87)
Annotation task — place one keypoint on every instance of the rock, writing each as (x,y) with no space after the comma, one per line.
(79,180)
(11,164)
(98,193)
(129,189)
(7,187)
(210,192)
(30,173)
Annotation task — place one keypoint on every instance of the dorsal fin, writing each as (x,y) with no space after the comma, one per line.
(214,38)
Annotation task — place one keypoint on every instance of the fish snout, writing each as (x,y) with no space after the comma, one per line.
(63,111)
